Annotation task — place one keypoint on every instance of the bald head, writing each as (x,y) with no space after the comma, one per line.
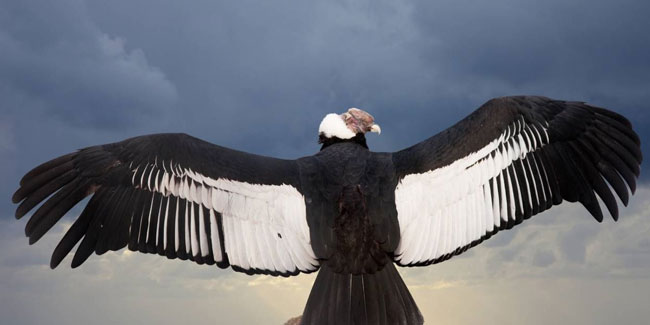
(360,121)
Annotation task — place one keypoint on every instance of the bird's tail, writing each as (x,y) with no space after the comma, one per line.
(378,298)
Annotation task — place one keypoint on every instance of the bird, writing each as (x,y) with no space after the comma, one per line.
(351,214)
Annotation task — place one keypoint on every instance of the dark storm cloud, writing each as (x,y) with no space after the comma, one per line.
(417,66)
(54,60)
(260,76)
(280,65)
(65,84)
(594,51)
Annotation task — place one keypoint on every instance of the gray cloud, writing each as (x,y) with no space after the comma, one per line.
(64,80)
(543,258)
(55,57)
(418,67)
(573,243)
(501,239)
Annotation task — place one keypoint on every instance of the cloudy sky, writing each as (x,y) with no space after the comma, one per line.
(258,76)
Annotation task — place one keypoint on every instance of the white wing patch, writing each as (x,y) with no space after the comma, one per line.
(448,208)
(264,226)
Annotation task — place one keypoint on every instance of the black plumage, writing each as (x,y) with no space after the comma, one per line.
(349,211)
(577,156)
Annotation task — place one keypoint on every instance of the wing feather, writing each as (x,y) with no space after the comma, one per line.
(511,159)
(176,196)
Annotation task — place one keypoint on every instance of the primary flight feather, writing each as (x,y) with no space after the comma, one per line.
(346,211)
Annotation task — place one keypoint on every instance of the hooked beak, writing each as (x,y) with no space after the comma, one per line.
(375,128)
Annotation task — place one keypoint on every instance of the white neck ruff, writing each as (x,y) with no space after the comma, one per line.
(334,126)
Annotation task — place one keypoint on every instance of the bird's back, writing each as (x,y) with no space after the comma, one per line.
(350,207)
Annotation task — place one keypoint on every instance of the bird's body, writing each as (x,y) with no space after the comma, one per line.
(348,211)
(348,214)
(353,221)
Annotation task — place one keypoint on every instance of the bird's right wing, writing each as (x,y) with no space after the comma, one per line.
(176,196)
(512,158)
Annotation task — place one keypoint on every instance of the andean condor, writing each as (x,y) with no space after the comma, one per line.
(348,211)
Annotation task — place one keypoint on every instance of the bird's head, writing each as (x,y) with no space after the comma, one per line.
(347,125)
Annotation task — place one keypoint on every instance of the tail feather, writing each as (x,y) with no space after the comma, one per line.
(378,298)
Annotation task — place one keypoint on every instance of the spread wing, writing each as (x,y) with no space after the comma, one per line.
(511,159)
(176,196)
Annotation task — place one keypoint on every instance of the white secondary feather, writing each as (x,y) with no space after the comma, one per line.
(187,226)
(165,225)
(264,226)
(450,207)
(151,207)
(203,236)
(195,243)
(157,220)
(214,238)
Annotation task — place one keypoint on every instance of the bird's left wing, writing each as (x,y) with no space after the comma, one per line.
(176,196)
(512,158)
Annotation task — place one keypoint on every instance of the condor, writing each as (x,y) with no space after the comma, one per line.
(346,211)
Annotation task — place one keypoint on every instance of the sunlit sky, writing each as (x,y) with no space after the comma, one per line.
(259,76)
